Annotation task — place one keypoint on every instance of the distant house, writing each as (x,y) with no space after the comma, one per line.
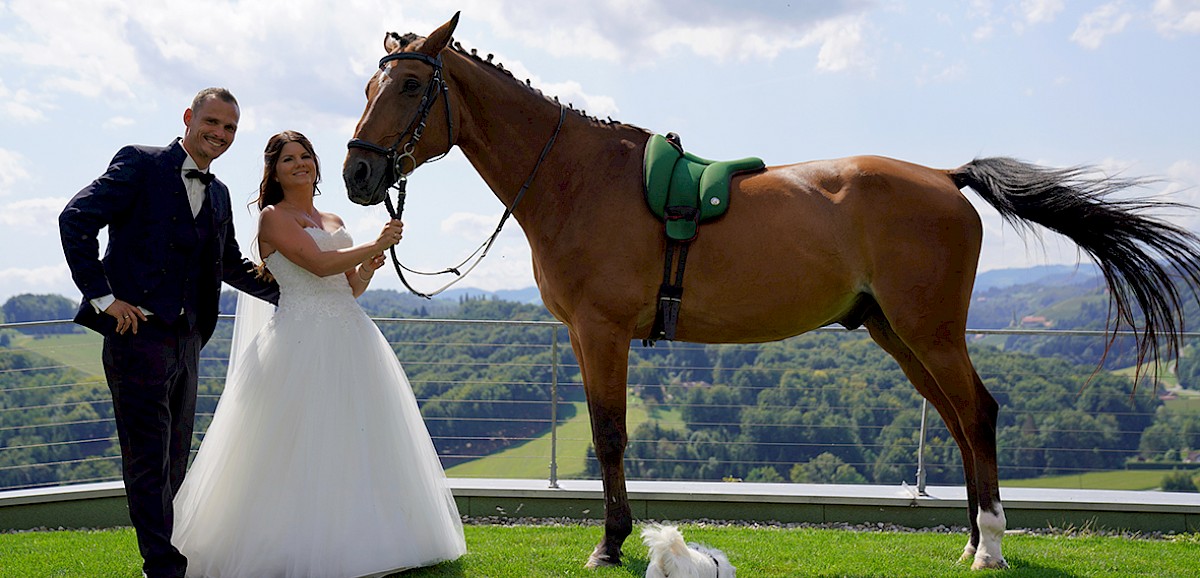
(1036,321)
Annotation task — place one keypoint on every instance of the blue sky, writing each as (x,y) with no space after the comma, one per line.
(1110,84)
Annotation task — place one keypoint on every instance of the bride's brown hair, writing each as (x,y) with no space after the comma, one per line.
(270,192)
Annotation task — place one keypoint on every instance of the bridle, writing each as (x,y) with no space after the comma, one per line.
(397,177)
(416,127)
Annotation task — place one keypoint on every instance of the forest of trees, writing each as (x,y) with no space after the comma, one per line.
(835,408)
(29,307)
(824,407)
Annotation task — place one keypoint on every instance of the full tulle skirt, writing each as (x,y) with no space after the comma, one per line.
(317,462)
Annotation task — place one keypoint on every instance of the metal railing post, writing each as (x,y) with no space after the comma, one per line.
(554,407)
(921,450)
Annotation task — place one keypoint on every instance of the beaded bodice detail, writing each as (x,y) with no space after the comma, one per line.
(303,293)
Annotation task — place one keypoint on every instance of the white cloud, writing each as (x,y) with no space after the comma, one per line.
(118,122)
(1040,11)
(1186,171)
(38,216)
(21,105)
(984,32)
(842,44)
(940,72)
(1182,185)
(508,266)
(123,52)
(12,170)
(647,30)
(120,50)
(571,91)
(1101,23)
(1173,17)
(55,279)
(469,225)
(81,45)
(1112,167)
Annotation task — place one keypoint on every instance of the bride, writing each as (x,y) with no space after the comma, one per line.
(317,463)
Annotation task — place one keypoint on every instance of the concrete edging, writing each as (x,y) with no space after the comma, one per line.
(103,504)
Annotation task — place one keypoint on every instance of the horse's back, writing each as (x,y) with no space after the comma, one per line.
(862,200)
(915,236)
(813,238)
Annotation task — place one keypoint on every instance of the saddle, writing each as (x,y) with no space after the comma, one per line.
(683,190)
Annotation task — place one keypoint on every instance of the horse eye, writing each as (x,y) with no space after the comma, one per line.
(411,85)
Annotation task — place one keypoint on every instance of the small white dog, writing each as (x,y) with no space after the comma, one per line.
(671,557)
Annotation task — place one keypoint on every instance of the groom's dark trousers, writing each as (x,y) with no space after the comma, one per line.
(152,377)
(170,263)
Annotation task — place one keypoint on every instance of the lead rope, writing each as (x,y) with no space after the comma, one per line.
(482,251)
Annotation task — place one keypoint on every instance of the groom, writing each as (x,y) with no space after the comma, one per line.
(154,298)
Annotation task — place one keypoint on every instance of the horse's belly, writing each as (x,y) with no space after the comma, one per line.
(746,309)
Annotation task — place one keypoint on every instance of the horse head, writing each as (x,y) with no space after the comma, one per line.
(388,141)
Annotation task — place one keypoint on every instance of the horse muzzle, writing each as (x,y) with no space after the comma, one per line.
(366,178)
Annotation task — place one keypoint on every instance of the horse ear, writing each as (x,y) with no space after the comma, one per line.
(391,42)
(440,37)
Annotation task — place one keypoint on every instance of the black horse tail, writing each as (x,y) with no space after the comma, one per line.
(1140,256)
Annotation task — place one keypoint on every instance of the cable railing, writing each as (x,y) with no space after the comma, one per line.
(506,401)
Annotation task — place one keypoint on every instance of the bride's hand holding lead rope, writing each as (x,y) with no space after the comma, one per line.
(392,232)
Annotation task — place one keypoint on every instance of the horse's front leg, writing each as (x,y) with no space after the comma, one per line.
(603,355)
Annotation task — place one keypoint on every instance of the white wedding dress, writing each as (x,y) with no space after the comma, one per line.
(317,463)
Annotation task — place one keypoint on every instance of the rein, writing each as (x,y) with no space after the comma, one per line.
(399,177)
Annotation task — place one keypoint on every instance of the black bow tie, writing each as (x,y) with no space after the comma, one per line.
(204,177)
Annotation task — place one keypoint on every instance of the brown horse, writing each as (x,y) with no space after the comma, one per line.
(858,241)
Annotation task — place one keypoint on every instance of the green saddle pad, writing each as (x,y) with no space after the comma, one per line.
(684,189)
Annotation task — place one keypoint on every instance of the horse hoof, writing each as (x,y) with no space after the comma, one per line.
(968,554)
(597,560)
(989,563)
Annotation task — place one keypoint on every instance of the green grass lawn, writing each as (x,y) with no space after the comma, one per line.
(761,552)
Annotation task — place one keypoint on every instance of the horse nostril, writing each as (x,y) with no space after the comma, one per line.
(362,171)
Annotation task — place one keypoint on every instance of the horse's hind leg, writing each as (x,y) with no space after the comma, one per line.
(882,333)
(934,356)
(604,364)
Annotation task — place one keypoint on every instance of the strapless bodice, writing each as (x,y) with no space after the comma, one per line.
(303,293)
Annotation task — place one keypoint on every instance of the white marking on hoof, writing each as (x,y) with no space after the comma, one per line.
(987,563)
(596,560)
(991,530)
(968,553)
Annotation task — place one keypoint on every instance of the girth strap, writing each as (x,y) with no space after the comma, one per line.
(670,295)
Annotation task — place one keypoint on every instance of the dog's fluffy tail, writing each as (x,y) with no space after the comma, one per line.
(667,548)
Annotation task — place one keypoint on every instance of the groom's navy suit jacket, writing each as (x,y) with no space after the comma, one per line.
(159,257)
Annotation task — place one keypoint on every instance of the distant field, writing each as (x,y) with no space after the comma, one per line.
(1114,480)
(531,460)
(1166,377)
(1187,402)
(78,350)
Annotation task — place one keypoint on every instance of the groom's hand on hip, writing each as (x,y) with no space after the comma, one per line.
(127,316)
